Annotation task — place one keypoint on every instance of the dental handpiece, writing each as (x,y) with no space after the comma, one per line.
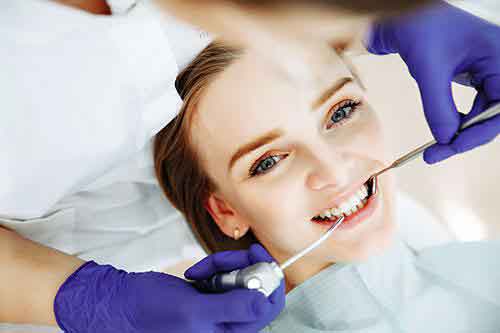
(263,276)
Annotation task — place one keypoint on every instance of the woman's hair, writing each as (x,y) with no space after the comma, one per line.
(177,165)
(379,7)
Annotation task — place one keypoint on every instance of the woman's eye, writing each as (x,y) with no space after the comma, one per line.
(341,112)
(266,164)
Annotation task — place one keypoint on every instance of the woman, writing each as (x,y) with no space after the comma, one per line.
(277,166)
(275,192)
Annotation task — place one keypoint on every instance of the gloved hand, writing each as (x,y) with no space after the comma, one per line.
(231,260)
(438,44)
(101,298)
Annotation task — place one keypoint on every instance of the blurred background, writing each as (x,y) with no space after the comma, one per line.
(462,191)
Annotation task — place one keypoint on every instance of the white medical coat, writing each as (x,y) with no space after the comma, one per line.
(79,94)
(81,97)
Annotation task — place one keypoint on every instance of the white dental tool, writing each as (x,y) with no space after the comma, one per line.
(489,113)
(264,276)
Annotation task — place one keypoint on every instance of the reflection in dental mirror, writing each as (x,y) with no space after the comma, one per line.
(279,160)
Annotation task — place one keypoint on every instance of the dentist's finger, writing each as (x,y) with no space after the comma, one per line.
(218,262)
(439,106)
(277,303)
(236,306)
(491,87)
(468,139)
(480,105)
(257,253)
(278,296)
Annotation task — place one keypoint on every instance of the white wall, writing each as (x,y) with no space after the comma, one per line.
(463,190)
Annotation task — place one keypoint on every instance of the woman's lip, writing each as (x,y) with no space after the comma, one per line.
(353,220)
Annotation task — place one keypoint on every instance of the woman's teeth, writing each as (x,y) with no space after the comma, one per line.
(348,207)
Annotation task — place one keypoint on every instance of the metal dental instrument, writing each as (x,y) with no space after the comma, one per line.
(490,113)
(264,276)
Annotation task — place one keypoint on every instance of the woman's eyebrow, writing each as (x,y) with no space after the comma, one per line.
(329,92)
(255,144)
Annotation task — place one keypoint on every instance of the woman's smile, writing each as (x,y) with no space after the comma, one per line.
(357,206)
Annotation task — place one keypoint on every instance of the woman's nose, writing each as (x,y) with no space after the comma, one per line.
(328,171)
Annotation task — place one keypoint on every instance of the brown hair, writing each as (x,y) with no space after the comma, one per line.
(381,7)
(177,166)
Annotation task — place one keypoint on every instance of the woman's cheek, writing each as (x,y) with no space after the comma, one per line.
(372,133)
(279,216)
(362,136)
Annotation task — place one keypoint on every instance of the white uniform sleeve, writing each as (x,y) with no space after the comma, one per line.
(121,6)
(79,93)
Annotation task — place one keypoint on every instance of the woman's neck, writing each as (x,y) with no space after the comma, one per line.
(301,271)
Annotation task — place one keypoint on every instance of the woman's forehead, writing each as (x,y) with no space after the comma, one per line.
(253,82)
(252,96)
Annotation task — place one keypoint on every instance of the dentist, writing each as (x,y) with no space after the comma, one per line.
(437,43)
(81,92)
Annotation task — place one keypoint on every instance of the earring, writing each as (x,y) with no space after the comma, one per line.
(236,233)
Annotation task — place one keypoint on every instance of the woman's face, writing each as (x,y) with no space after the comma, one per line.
(282,150)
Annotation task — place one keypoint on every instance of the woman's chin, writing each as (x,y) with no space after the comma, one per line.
(364,246)
(375,244)
(372,237)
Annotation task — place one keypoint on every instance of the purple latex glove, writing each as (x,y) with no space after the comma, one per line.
(101,298)
(438,44)
(231,260)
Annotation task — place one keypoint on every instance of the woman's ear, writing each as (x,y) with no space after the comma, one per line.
(226,218)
